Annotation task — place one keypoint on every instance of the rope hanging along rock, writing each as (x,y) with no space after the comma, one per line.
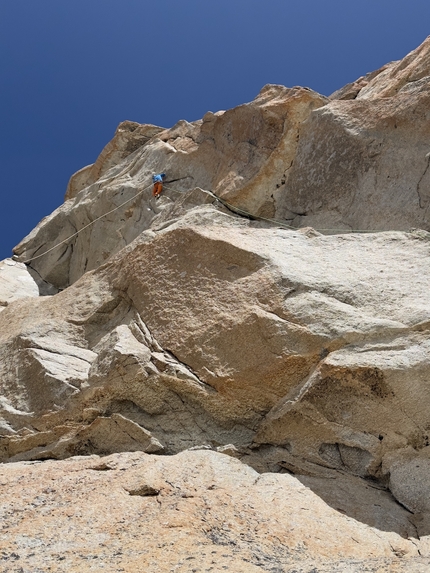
(28,261)
(241,211)
(233,208)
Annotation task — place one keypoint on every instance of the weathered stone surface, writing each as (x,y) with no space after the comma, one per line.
(364,164)
(182,325)
(241,154)
(392,78)
(128,137)
(401,76)
(15,282)
(197,511)
(323,348)
(351,90)
(408,471)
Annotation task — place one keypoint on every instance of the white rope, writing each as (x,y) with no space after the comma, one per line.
(86,226)
(222,201)
(241,211)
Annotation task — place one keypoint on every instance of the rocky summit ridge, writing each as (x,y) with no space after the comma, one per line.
(234,376)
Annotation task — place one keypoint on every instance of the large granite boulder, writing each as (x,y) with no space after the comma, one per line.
(16,282)
(215,331)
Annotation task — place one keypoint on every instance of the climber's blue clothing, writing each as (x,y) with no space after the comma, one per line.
(158,184)
(158,178)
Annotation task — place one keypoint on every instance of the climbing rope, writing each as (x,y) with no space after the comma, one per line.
(86,226)
(277,222)
(229,206)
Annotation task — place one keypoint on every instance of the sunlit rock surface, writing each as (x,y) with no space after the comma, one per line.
(196,511)
(298,359)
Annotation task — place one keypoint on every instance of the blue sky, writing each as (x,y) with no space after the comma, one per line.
(71,70)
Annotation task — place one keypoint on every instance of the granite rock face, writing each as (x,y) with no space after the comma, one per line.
(363,163)
(16,282)
(196,511)
(360,163)
(305,352)
(160,326)
(128,137)
(241,154)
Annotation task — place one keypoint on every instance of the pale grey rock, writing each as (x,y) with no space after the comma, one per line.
(241,154)
(396,76)
(15,282)
(392,78)
(129,136)
(183,324)
(408,471)
(410,484)
(363,164)
(352,90)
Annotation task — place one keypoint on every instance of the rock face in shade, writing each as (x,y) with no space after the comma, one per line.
(180,323)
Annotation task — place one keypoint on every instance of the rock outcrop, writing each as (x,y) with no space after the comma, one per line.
(196,511)
(128,137)
(160,326)
(362,161)
(15,282)
(241,154)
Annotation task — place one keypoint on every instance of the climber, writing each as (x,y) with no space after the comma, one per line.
(158,184)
